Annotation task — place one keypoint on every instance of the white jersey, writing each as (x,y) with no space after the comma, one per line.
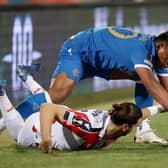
(80,130)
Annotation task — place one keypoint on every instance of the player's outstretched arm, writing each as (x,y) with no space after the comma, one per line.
(155,89)
(48,113)
(152,110)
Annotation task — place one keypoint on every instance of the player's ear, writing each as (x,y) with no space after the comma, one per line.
(159,44)
(124,127)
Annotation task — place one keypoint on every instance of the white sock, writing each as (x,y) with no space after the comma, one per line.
(155,109)
(144,126)
(13,120)
(33,86)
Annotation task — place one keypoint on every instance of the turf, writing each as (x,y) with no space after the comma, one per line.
(124,153)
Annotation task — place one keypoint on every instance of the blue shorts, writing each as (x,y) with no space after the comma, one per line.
(70,60)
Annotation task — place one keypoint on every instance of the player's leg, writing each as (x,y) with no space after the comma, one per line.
(25,73)
(13,120)
(2,125)
(61,88)
(66,74)
(144,133)
(32,103)
(2,122)
(69,70)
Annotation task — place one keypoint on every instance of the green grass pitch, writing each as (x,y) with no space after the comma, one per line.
(124,153)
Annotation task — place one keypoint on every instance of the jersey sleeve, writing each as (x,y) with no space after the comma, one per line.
(142,59)
(161,71)
(72,68)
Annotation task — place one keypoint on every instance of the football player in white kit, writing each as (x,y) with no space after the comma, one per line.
(60,127)
(66,128)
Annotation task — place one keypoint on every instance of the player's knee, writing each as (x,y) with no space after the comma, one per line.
(58,95)
(55,95)
(61,88)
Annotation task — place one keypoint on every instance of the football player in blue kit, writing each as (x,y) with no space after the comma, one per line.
(112,53)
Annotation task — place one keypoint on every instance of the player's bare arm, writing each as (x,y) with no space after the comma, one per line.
(49,112)
(153,86)
(152,110)
(164,81)
(61,87)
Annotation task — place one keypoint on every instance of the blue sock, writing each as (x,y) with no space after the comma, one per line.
(142,97)
(31,104)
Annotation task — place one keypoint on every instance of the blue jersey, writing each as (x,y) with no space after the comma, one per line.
(98,52)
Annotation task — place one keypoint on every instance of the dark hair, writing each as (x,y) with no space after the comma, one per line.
(163,37)
(126,112)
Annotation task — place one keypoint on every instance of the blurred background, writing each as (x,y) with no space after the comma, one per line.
(34,30)
(72,1)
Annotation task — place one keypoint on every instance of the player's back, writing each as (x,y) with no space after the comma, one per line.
(115,48)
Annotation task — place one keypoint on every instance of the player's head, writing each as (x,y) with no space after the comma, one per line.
(161,43)
(126,115)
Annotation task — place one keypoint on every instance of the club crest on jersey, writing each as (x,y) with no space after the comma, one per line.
(77,121)
(75,72)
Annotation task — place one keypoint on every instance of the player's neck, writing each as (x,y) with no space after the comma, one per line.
(113,131)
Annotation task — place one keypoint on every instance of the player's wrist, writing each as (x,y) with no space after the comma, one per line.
(156,109)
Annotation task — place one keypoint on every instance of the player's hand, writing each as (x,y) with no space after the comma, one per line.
(46,146)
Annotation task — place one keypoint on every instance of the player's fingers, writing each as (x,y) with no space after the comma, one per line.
(46,147)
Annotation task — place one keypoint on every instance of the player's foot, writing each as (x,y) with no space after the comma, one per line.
(23,71)
(149,137)
(2,125)
(2,86)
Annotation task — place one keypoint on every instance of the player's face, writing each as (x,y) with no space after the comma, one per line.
(162,54)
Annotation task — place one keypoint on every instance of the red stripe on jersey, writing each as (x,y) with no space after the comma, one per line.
(91,138)
(37,90)
(80,114)
(54,121)
(10,109)
(34,129)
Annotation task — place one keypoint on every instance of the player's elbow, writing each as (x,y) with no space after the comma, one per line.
(50,107)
